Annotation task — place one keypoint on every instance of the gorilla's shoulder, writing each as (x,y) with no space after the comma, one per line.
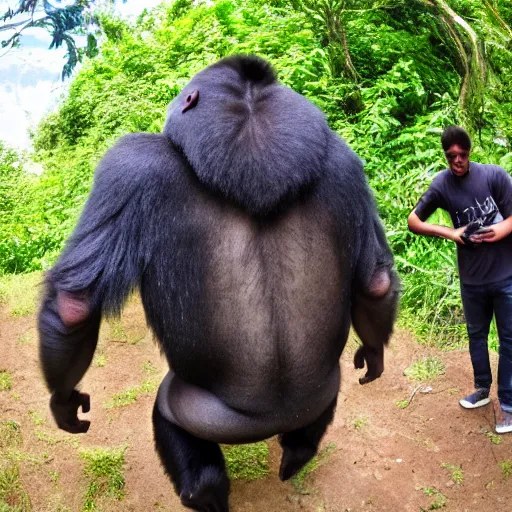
(137,158)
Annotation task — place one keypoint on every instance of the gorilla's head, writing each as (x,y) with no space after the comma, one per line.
(247,135)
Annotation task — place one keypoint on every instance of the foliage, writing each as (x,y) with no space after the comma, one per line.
(5,380)
(129,396)
(72,18)
(405,88)
(13,496)
(104,472)
(506,468)
(456,472)
(440,499)
(247,461)
(425,369)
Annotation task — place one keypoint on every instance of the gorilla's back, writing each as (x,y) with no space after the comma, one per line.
(271,309)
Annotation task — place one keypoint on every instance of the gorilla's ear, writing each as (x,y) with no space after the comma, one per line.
(191,101)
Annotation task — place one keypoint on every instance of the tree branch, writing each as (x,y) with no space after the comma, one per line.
(13,25)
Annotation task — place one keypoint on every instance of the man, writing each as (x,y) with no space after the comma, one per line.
(478,198)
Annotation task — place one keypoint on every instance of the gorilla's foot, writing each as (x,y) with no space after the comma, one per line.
(210,493)
(294,459)
(195,466)
(300,446)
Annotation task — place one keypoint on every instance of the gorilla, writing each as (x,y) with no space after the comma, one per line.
(252,235)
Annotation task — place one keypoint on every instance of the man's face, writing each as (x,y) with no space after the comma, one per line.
(458,159)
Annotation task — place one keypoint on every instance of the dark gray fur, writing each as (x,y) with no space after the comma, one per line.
(252,235)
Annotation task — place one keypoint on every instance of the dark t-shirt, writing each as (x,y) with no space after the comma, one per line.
(484,194)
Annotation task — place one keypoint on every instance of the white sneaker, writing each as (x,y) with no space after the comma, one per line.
(505,425)
(477,399)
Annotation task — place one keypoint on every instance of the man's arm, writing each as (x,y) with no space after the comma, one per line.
(416,225)
(502,193)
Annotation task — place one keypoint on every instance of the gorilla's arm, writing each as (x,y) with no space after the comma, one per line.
(375,301)
(102,263)
(375,284)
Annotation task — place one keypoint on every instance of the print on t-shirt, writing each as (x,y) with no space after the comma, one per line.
(480,215)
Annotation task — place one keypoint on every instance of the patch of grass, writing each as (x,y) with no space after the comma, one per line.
(440,499)
(26,338)
(20,292)
(425,369)
(46,438)
(104,473)
(129,396)
(360,423)
(124,398)
(299,479)
(100,360)
(36,418)
(247,461)
(506,468)
(117,332)
(494,438)
(456,472)
(5,380)
(54,475)
(13,497)
(10,435)
(402,404)
(149,368)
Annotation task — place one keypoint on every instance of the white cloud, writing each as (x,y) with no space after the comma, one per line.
(27,91)
(135,7)
(13,119)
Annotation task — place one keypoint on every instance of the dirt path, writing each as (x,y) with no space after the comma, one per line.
(376,455)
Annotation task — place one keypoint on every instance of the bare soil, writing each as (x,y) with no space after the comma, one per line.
(386,458)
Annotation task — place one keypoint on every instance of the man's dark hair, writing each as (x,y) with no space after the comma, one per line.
(455,135)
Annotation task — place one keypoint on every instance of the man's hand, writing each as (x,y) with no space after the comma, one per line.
(457,234)
(65,412)
(491,233)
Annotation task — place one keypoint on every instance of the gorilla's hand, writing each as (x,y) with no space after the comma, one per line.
(359,358)
(374,363)
(65,412)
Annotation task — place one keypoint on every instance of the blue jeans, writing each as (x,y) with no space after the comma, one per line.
(480,302)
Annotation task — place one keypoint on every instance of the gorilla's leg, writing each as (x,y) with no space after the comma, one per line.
(373,316)
(196,467)
(300,446)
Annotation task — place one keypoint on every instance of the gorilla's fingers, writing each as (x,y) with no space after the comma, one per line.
(85,402)
(65,412)
(81,427)
(366,379)
(359,358)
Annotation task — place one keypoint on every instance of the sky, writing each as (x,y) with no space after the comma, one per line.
(30,76)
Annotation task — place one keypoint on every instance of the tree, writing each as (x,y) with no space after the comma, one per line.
(472,46)
(471,39)
(330,18)
(62,19)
